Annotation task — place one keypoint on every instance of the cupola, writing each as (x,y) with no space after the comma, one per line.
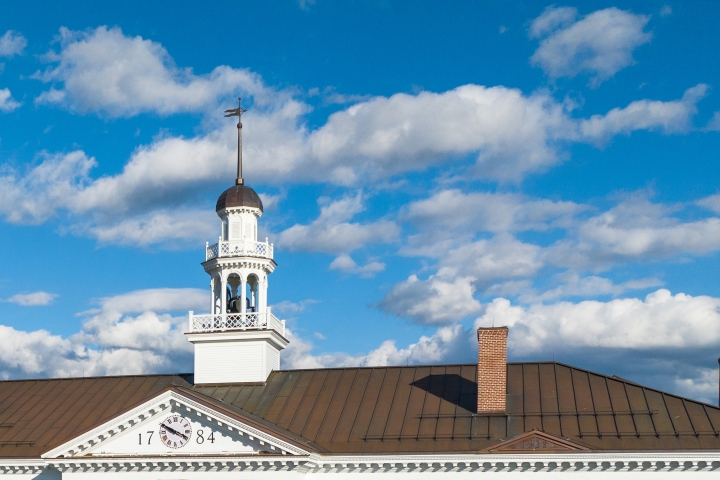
(240,339)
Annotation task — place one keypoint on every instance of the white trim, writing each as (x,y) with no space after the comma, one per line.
(164,401)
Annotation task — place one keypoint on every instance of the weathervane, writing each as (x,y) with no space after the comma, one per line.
(237,112)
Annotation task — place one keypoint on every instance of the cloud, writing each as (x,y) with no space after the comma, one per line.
(12,43)
(332,232)
(711,203)
(666,10)
(346,264)
(667,117)
(635,229)
(676,321)
(292,308)
(601,43)
(506,133)
(714,124)
(132,333)
(574,285)
(447,344)
(551,19)
(7,103)
(493,212)
(102,70)
(434,301)
(34,299)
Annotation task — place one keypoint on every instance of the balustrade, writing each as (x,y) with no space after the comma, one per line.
(236,321)
(242,248)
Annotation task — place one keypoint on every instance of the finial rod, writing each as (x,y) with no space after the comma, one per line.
(237,112)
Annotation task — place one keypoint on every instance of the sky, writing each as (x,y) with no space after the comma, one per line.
(426,169)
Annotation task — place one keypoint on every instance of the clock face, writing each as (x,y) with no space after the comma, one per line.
(175,431)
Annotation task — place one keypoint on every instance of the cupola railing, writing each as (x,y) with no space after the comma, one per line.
(224,322)
(239,248)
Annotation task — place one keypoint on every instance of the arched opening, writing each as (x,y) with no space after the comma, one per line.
(251,294)
(233,293)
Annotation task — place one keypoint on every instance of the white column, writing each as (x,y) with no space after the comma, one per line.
(223,295)
(243,301)
(212,295)
(262,294)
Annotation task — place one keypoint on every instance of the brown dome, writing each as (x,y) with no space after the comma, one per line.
(239,196)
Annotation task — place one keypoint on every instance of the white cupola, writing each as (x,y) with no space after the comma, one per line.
(240,339)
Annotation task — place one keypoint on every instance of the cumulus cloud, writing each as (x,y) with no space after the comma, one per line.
(435,301)
(635,229)
(132,333)
(667,117)
(32,299)
(676,321)
(494,212)
(7,103)
(575,285)
(102,70)
(346,264)
(447,344)
(714,124)
(601,43)
(12,43)
(508,133)
(332,232)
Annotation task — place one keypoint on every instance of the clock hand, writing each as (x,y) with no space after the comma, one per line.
(172,430)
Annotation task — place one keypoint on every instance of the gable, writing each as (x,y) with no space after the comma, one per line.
(172,424)
(536,442)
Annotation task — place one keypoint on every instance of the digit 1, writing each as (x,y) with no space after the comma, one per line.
(140,438)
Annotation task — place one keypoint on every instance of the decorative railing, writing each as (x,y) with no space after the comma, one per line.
(236,321)
(240,248)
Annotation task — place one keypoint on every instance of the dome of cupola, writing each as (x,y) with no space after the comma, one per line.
(239,196)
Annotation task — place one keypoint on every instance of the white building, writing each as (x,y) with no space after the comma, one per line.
(239,416)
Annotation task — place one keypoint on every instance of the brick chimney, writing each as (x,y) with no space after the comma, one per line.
(492,369)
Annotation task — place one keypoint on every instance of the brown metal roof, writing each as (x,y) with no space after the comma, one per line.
(432,409)
(380,409)
(36,415)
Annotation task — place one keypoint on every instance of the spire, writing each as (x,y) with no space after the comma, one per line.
(237,112)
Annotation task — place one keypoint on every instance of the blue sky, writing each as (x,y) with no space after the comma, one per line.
(425,171)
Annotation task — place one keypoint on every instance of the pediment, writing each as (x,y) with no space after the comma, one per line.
(535,441)
(143,431)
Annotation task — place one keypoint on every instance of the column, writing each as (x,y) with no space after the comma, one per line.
(223,295)
(212,295)
(243,301)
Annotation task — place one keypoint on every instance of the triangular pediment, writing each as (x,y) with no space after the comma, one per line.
(535,441)
(173,424)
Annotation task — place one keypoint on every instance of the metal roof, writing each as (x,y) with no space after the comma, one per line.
(238,196)
(380,409)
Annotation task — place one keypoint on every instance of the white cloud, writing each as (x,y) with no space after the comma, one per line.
(7,103)
(635,229)
(112,341)
(666,10)
(346,264)
(12,43)
(667,117)
(287,307)
(676,321)
(170,228)
(500,258)
(511,134)
(711,203)
(574,285)
(601,43)
(551,19)
(102,70)
(332,232)
(434,301)
(447,344)
(493,212)
(714,124)
(32,299)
